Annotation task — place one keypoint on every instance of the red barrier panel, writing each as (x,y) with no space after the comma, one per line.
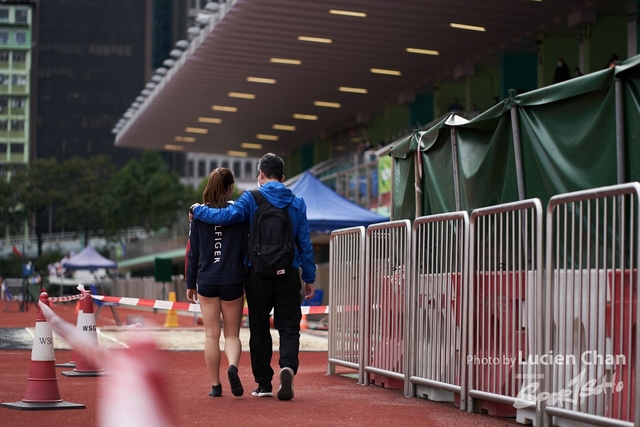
(621,329)
(389,348)
(499,337)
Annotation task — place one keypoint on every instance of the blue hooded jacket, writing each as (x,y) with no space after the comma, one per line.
(279,196)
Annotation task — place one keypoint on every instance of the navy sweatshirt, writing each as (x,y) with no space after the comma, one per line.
(217,252)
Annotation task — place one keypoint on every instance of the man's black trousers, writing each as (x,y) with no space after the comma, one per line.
(283,295)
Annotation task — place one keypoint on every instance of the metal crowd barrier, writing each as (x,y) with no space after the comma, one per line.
(438,327)
(505,291)
(346,292)
(387,258)
(470,310)
(592,285)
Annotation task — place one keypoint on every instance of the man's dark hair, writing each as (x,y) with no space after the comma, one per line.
(272,166)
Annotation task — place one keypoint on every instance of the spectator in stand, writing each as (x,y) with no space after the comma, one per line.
(3,291)
(577,72)
(562,72)
(612,61)
(216,268)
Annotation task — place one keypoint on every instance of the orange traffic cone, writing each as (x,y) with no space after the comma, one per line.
(87,326)
(42,387)
(303,323)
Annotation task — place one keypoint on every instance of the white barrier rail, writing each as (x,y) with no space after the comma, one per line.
(550,339)
(505,291)
(388,246)
(593,243)
(346,293)
(437,326)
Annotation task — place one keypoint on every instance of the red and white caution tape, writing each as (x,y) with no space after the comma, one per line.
(63,299)
(186,306)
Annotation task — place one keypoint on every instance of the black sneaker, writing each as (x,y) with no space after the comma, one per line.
(261,392)
(234,381)
(285,391)
(216,390)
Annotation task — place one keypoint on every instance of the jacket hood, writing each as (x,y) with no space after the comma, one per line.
(277,194)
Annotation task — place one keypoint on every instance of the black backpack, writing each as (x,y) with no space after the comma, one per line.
(271,244)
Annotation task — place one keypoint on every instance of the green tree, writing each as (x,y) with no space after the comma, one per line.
(84,183)
(41,191)
(163,196)
(12,212)
(145,194)
(123,199)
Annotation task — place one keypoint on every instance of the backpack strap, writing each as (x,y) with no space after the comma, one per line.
(258,197)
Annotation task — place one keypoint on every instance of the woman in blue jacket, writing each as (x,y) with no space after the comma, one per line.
(216,267)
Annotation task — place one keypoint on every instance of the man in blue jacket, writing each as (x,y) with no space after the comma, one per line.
(281,294)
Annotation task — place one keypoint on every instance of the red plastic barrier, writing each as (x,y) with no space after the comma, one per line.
(499,337)
(621,329)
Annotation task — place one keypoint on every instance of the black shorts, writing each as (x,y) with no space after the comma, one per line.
(224,292)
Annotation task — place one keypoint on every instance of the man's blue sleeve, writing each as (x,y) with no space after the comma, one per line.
(306,249)
(236,212)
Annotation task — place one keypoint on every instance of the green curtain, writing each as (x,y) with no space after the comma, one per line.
(486,160)
(631,79)
(568,143)
(403,178)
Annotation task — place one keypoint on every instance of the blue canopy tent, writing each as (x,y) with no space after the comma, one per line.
(327,210)
(88,259)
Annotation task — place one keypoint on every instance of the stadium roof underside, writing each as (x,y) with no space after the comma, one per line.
(239,55)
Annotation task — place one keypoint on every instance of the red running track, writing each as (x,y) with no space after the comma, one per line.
(320,400)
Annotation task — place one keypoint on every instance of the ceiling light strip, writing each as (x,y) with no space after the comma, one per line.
(385,72)
(209,120)
(200,131)
(314,39)
(234,153)
(267,137)
(285,61)
(352,89)
(327,104)
(241,95)
(467,27)
(261,80)
(422,51)
(173,147)
(305,117)
(284,127)
(251,146)
(348,13)
(224,108)
(184,139)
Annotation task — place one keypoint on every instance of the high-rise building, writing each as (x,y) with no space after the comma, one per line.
(16,63)
(92,60)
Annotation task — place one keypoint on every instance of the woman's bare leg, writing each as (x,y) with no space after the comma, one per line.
(210,308)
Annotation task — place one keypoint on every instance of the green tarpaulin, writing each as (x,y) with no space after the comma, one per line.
(567,136)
